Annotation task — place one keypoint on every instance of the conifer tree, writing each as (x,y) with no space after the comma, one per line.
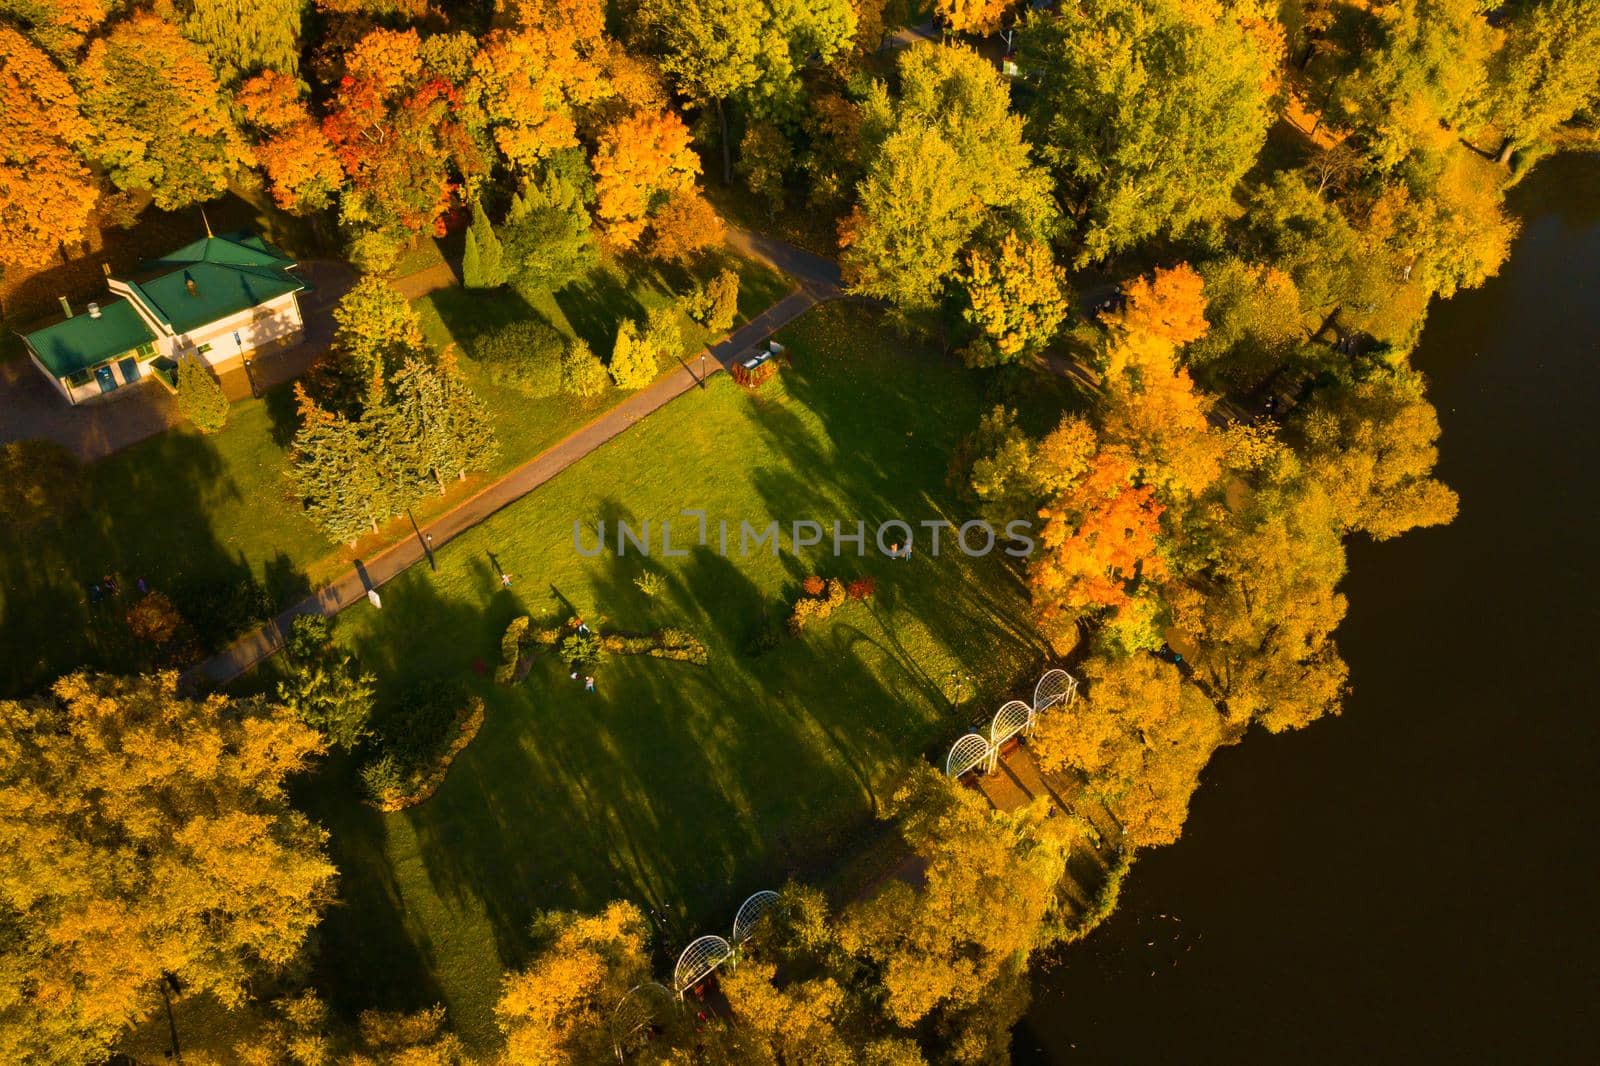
(486,269)
(334,475)
(442,428)
(467,418)
(324,685)
(663,335)
(633,362)
(582,373)
(471,263)
(200,395)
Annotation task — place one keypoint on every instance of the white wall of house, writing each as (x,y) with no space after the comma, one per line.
(273,323)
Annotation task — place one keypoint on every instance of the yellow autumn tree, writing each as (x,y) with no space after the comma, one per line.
(977,17)
(531,79)
(1018,296)
(157,114)
(159,843)
(990,884)
(641,160)
(554,1010)
(1139,736)
(1372,445)
(46,193)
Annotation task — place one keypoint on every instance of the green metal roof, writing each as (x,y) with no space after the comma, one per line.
(82,341)
(230,273)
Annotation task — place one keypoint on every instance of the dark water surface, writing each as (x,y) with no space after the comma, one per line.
(1418,880)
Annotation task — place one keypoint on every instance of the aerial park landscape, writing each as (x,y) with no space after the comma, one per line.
(724,532)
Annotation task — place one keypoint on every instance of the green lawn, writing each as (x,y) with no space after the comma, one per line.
(680,787)
(197,515)
(589,309)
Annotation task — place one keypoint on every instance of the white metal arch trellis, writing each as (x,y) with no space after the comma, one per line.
(1015,717)
(698,960)
(967,753)
(636,1011)
(1055,687)
(750,912)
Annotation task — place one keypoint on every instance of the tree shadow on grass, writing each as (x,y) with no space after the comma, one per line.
(595,305)
(145,515)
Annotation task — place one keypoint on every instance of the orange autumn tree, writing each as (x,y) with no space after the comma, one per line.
(529,80)
(1152,406)
(302,170)
(399,135)
(1101,549)
(46,193)
(640,162)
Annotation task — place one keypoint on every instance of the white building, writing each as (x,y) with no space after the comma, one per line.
(219,300)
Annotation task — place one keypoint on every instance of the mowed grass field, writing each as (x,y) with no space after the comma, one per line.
(196,515)
(682,788)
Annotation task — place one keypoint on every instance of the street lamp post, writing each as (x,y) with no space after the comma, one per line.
(249,366)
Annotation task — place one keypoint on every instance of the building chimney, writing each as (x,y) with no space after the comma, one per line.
(66,308)
(94,309)
(188,283)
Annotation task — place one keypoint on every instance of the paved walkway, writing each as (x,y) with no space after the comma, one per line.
(818,281)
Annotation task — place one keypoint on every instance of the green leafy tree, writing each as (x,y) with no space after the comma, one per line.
(720,303)
(1548,70)
(200,395)
(749,50)
(633,362)
(243,38)
(325,687)
(914,216)
(375,329)
(765,158)
(524,355)
(663,334)
(483,266)
(1147,114)
(160,844)
(157,114)
(947,159)
(958,93)
(1426,72)
(582,373)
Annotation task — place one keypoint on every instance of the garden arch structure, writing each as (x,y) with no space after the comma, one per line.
(637,1010)
(1056,687)
(698,961)
(967,753)
(750,912)
(1014,718)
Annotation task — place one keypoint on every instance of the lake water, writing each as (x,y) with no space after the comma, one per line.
(1419,879)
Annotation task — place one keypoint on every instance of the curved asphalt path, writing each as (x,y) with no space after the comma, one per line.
(818,281)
